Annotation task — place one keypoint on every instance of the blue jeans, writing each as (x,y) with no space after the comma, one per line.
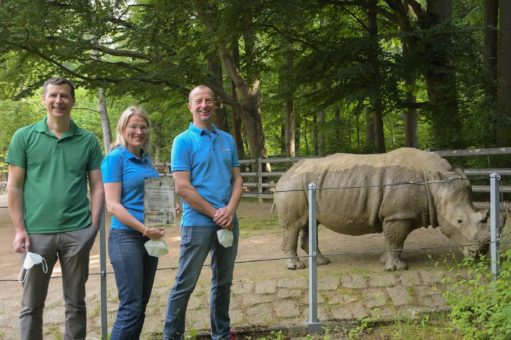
(196,243)
(134,275)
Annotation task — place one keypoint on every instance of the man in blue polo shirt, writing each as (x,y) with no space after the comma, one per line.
(207,176)
(50,163)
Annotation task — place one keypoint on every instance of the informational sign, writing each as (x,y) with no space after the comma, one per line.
(159,202)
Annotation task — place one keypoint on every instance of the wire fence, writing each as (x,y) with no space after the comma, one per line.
(305,257)
(380,186)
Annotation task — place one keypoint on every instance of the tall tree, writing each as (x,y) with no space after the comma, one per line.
(290,126)
(401,15)
(440,75)
(491,10)
(105,120)
(247,87)
(504,76)
(374,60)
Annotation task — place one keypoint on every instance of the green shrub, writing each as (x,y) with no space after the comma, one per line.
(481,306)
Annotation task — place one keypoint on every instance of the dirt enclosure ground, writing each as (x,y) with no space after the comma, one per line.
(260,260)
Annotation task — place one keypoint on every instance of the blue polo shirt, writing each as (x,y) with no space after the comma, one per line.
(121,166)
(209,156)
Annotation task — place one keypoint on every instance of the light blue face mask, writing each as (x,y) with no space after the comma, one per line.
(32,259)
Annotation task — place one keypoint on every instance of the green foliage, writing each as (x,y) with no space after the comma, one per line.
(13,116)
(365,326)
(317,53)
(481,306)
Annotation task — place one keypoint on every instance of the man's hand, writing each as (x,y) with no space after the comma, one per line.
(21,243)
(224,217)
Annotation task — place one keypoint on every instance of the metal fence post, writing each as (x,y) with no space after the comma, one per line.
(312,323)
(495,223)
(102,265)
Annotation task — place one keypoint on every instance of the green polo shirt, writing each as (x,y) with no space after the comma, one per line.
(55,192)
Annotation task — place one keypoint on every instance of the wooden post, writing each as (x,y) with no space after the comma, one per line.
(260,180)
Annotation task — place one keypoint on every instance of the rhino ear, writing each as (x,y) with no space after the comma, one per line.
(454,172)
(459,171)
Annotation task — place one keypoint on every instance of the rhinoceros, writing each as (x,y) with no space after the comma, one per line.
(392,193)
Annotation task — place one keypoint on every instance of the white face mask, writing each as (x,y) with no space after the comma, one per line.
(156,248)
(32,259)
(225,237)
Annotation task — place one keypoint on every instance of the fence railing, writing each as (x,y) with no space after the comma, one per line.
(259,184)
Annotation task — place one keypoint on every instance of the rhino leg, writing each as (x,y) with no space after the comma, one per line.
(395,233)
(304,244)
(289,246)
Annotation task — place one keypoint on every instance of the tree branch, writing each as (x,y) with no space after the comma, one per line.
(119,53)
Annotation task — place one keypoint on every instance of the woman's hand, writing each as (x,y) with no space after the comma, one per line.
(154,233)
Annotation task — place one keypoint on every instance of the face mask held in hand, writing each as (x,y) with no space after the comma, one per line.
(32,259)
(156,248)
(225,237)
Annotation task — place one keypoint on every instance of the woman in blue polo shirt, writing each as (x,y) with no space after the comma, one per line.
(124,170)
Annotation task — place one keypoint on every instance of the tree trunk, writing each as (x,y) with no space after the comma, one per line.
(215,78)
(357,131)
(321,133)
(105,121)
(374,58)
(315,133)
(337,129)
(249,102)
(440,78)
(290,114)
(411,138)
(491,10)
(369,131)
(247,89)
(290,128)
(504,76)
(298,129)
(401,11)
(237,125)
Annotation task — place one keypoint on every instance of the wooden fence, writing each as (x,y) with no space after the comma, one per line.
(261,184)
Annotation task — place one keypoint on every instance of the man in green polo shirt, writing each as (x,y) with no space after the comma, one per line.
(50,164)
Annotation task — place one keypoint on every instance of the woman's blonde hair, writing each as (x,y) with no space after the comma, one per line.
(122,123)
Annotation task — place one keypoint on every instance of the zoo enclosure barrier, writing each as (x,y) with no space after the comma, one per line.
(261,184)
(312,321)
(313,324)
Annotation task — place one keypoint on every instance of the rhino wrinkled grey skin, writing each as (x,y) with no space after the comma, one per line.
(392,193)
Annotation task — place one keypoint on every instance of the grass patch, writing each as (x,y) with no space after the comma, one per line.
(435,326)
